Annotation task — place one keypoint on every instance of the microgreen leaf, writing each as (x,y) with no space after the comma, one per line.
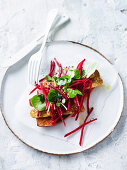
(83,72)
(72,93)
(38,102)
(53,96)
(55,78)
(77,74)
(64,80)
(58,104)
(48,78)
(74,73)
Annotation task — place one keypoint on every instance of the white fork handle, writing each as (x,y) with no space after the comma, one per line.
(28,48)
(51,17)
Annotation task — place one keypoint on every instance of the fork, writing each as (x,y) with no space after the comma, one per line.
(35,60)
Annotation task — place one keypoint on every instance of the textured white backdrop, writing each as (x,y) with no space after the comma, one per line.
(101,24)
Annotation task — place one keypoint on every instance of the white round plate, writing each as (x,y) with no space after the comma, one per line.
(107,103)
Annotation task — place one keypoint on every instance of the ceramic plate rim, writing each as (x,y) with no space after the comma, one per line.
(74,42)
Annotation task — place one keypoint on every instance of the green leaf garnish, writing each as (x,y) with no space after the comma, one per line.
(48,78)
(38,102)
(64,80)
(83,72)
(53,96)
(74,73)
(58,104)
(55,78)
(77,74)
(72,93)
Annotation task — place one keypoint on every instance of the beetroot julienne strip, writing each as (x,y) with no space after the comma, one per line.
(60,71)
(80,65)
(38,112)
(69,104)
(82,130)
(45,95)
(89,111)
(58,111)
(61,115)
(54,121)
(41,79)
(77,102)
(37,87)
(60,67)
(80,81)
(52,111)
(79,127)
(57,62)
(52,68)
(59,91)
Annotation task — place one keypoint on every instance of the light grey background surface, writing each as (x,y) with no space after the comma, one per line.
(101,24)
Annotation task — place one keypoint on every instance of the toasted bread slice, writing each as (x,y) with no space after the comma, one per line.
(97,81)
(46,121)
(34,112)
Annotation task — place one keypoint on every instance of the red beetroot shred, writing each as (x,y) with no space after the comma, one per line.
(80,65)
(59,90)
(37,87)
(45,95)
(59,111)
(60,68)
(52,69)
(89,111)
(79,127)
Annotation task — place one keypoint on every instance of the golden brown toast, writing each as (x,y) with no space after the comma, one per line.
(34,112)
(46,121)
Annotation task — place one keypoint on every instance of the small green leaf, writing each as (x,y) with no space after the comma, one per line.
(54,96)
(58,104)
(78,92)
(64,80)
(77,74)
(55,78)
(38,102)
(72,93)
(83,72)
(48,78)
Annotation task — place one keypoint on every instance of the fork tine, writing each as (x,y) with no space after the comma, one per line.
(29,70)
(36,70)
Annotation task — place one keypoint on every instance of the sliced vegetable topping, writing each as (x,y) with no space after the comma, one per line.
(65,90)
